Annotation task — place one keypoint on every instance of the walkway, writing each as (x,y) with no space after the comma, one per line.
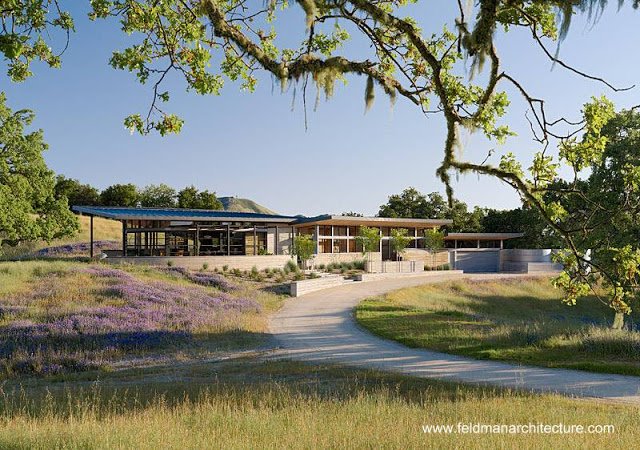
(320,327)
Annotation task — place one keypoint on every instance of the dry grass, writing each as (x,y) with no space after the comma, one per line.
(515,320)
(289,405)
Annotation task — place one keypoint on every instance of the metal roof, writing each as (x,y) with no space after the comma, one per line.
(122,213)
(482,236)
(177,214)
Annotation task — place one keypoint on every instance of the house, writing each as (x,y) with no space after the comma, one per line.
(244,240)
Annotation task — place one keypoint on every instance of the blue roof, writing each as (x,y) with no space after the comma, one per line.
(122,213)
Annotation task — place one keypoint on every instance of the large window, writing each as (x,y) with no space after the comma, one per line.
(325,230)
(325,245)
(339,246)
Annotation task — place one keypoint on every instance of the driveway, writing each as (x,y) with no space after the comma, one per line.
(320,327)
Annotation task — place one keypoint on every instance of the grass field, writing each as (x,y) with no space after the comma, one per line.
(255,404)
(522,321)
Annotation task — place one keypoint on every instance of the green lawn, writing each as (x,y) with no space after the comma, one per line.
(522,321)
(250,403)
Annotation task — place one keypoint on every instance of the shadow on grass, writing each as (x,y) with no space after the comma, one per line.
(270,381)
(47,355)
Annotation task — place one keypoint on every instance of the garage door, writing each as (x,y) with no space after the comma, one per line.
(477,261)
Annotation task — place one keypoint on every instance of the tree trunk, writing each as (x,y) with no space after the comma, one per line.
(618,321)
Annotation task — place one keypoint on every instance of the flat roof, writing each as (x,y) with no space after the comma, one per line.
(327,219)
(122,213)
(482,236)
(176,214)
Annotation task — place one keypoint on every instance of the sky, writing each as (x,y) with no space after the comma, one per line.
(255,145)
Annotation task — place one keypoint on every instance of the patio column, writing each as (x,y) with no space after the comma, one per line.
(196,244)
(275,247)
(415,237)
(348,241)
(317,239)
(255,241)
(124,238)
(332,243)
(228,240)
(91,236)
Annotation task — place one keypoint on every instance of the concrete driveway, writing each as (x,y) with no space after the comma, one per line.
(320,327)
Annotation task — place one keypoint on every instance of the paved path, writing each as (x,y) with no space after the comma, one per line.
(320,327)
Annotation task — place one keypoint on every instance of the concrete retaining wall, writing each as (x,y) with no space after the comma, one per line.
(386,276)
(301,287)
(195,262)
(328,258)
(428,258)
(394,266)
(528,260)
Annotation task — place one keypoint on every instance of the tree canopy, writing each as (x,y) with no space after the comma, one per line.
(29,209)
(120,195)
(190,197)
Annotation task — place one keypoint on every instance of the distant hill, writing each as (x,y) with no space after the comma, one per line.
(243,205)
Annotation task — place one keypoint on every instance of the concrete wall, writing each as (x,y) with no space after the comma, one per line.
(328,258)
(394,266)
(528,260)
(428,258)
(302,287)
(196,262)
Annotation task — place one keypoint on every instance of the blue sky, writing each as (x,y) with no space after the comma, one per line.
(255,146)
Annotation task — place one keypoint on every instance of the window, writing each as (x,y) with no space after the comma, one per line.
(325,230)
(325,245)
(339,231)
(339,246)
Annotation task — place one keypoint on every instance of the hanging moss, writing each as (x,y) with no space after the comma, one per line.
(369,94)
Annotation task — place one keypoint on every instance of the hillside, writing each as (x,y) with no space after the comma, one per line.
(243,205)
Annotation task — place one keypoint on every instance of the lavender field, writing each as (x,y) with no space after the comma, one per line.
(83,317)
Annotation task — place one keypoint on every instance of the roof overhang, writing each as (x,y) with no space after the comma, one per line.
(372,221)
(176,214)
(482,236)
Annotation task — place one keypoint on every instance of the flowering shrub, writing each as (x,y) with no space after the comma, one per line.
(203,279)
(41,333)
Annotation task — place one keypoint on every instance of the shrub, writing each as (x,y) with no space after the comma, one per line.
(359,265)
(267,271)
(291,266)
(254,271)
(205,266)
(298,276)
(321,266)
(314,275)
(225,268)
(237,272)
(170,263)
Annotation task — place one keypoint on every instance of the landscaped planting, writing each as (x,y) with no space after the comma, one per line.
(520,320)
(84,318)
(77,249)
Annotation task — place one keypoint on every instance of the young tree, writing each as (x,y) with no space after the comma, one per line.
(29,209)
(369,240)
(158,196)
(75,192)
(399,241)
(433,241)
(304,247)
(120,195)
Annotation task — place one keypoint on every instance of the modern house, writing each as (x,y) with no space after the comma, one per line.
(244,240)
(191,238)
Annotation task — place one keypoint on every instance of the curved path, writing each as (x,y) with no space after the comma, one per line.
(320,327)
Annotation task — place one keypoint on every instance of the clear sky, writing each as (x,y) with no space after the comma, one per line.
(255,146)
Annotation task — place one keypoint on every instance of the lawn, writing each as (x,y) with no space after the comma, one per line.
(521,321)
(59,317)
(248,403)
